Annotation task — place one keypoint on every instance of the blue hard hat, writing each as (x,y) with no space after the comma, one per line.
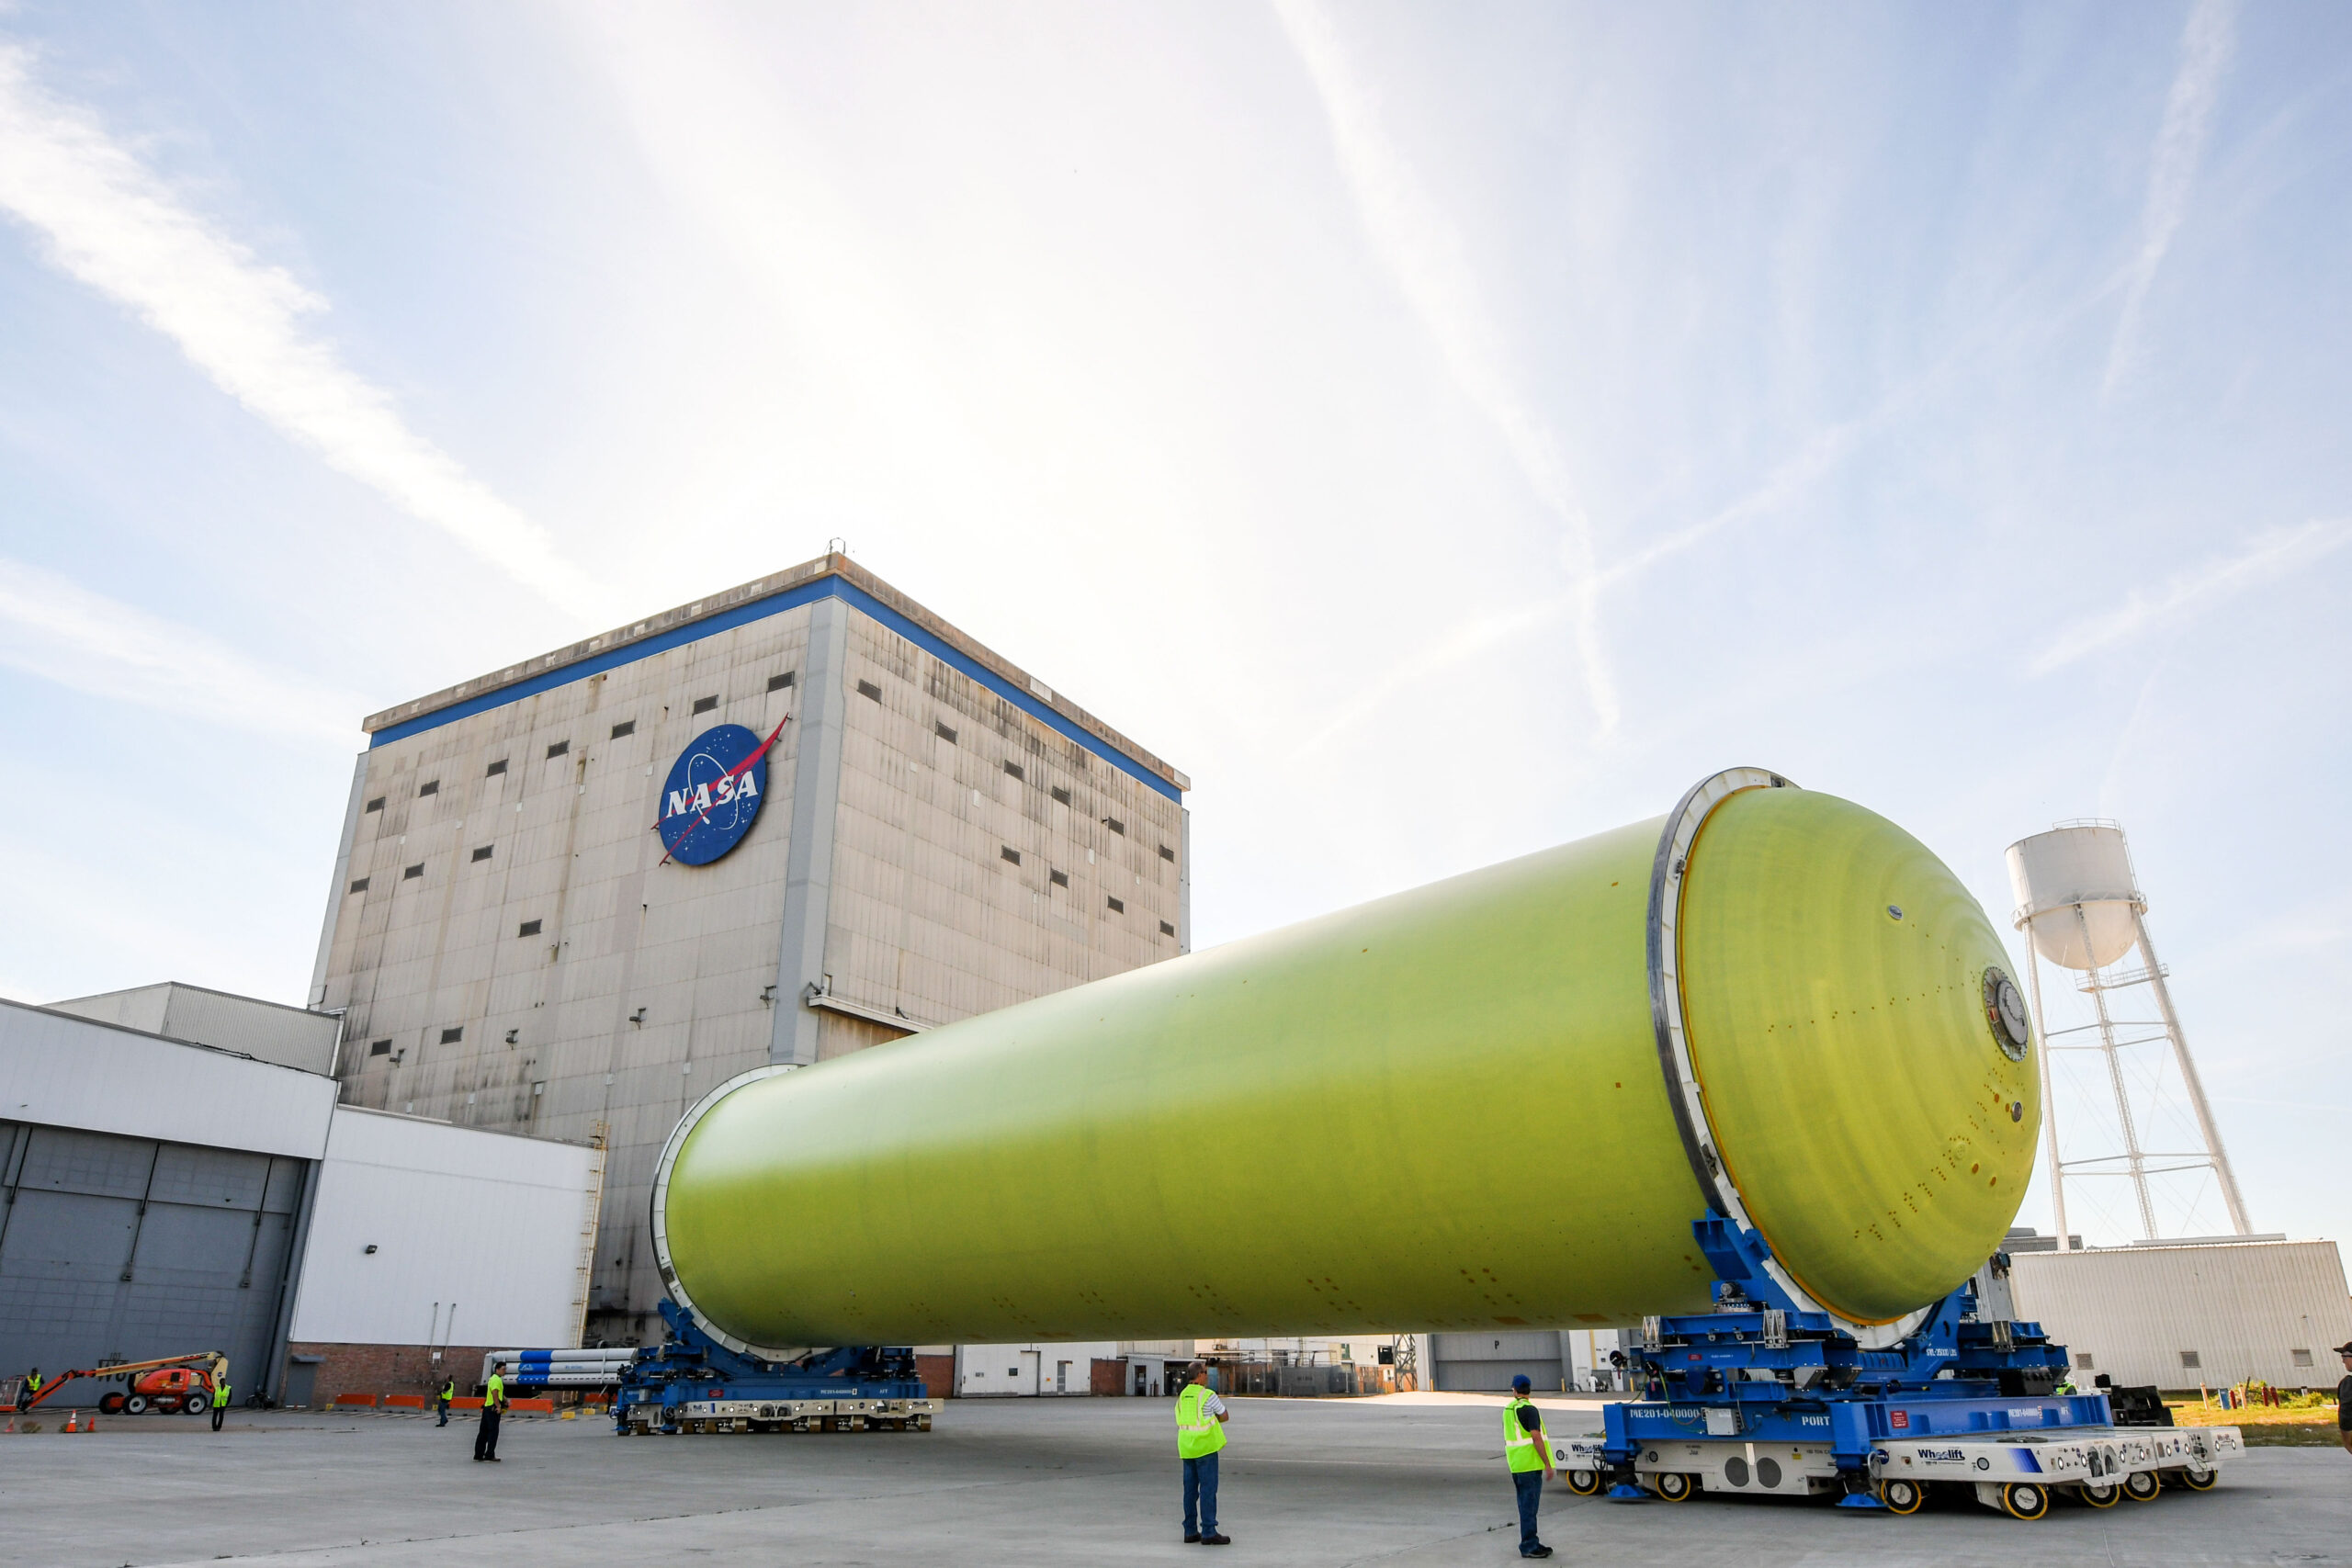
(1519,1384)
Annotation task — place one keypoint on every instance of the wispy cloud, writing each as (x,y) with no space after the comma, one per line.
(2206,45)
(55,629)
(112,223)
(2274,553)
(1464,643)
(1423,251)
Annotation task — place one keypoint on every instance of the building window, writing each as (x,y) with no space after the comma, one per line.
(778,682)
(494,769)
(626,726)
(869,690)
(430,786)
(2083,1360)
(1117,907)
(558,749)
(451,1036)
(2189,1361)
(1013,770)
(380,1048)
(942,732)
(360,885)
(2301,1358)
(1168,854)
(483,853)
(1115,825)
(529,928)
(416,870)
(704,704)
(377,804)
(1167,930)
(1058,878)
(1008,854)
(1061,795)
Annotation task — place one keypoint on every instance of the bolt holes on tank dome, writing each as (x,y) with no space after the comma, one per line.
(2004,1010)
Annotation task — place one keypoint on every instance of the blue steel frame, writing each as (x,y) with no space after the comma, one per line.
(1770,1373)
(693,1366)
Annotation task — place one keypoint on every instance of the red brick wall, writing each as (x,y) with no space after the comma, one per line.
(1109,1377)
(391,1368)
(938,1374)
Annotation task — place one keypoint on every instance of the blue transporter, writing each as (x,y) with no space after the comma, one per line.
(1757,1397)
(696,1385)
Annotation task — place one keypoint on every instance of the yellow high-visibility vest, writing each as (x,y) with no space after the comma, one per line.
(1521,1449)
(1198,1432)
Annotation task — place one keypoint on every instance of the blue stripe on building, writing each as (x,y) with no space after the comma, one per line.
(758,610)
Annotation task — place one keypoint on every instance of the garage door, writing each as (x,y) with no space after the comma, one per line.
(1474,1363)
(115,1249)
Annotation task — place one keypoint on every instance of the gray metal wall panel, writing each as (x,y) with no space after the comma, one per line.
(84,1276)
(62,1159)
(212,1178)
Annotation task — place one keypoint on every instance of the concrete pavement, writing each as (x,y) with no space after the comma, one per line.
(1028,1482)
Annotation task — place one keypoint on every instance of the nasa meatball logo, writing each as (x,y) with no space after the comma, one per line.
(713,793)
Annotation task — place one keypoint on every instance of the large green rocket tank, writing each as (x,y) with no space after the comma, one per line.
(1496,1101)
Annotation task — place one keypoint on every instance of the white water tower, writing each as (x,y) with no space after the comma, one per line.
(2081,908)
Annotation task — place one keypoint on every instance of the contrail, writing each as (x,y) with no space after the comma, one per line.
(54,628)
(2272,554)
(1421,249)
(113,224)
(2206,45)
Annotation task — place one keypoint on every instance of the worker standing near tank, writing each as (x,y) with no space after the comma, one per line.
(1200,1435)
(1527,1448)
(219,1400)
(493,1402)
(449,1391)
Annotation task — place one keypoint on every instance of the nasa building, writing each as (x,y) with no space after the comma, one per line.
(776,824)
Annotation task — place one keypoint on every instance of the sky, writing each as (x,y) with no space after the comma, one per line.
(1442,431)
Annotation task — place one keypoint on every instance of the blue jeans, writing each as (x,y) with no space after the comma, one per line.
(1200,1495)
(1529,1484)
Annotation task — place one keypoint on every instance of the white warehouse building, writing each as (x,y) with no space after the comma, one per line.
(170,1196)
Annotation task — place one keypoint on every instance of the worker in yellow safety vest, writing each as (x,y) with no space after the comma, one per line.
(31,1389)
(493,1403)
(1199,1434)
(1527,1448)
(219,1401)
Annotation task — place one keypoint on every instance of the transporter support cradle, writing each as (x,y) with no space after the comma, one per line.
(694,1384)
(1761,1397)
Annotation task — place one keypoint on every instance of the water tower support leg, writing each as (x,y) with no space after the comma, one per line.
(2196,1086)
(2049,1093)
(2136,1159)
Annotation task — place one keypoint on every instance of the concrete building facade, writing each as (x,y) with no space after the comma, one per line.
(940,834)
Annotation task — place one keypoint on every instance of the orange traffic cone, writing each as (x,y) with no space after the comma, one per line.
(12,1424)
(70,1417)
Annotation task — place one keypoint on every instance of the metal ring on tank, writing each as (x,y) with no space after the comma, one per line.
(1667,876)
(661,1230)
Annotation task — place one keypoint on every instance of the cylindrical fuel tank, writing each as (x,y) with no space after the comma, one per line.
(1498,1102)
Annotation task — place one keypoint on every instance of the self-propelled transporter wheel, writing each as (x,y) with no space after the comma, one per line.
(2099,1494)
(1583,1483)
(2194,1478)
(1902,1497)
(1674,1486)
(2025,1499)
(2141,1486)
